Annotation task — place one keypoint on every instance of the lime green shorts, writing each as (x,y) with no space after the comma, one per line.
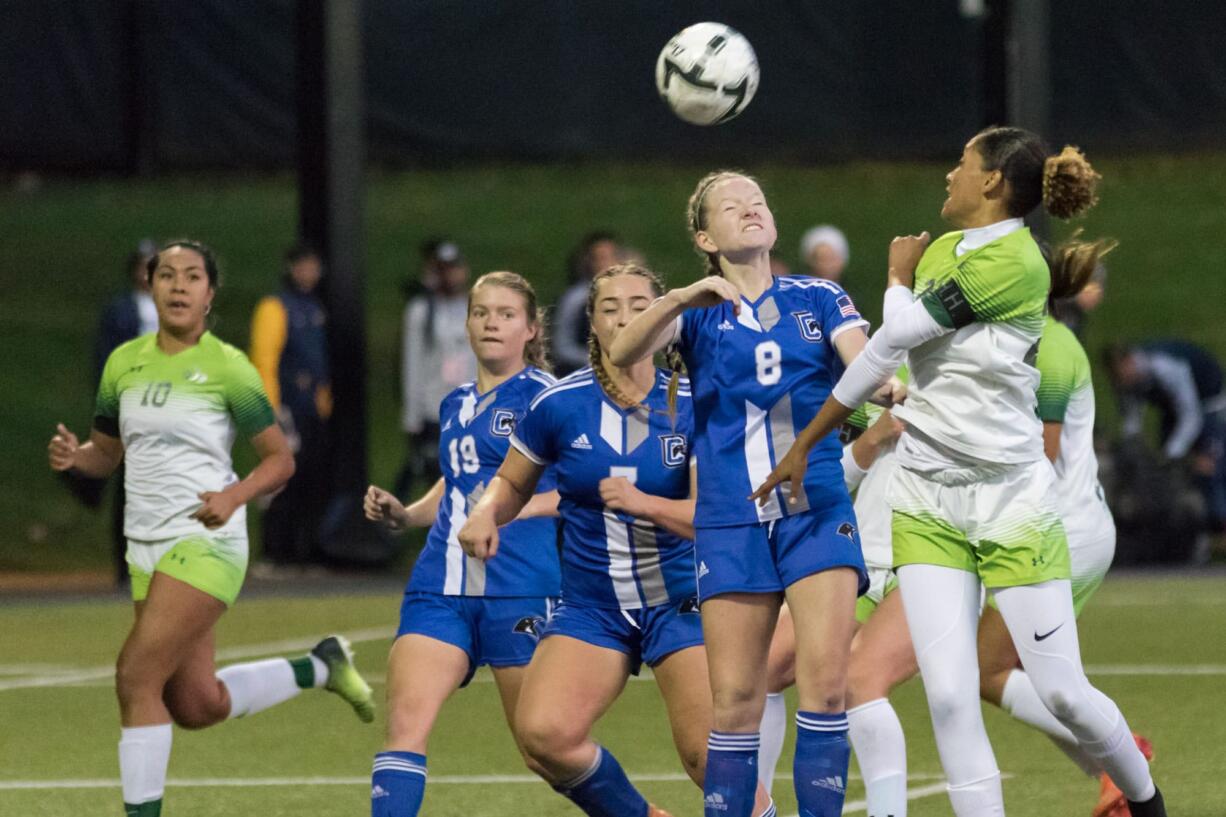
(881,583)
(212,564)
(1004,528)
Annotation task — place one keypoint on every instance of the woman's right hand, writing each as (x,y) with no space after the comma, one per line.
(383,507)
(905,254)
(62,450)
(710,291)
(479,536)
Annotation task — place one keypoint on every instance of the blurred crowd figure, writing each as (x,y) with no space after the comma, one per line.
(1183,382)
(596,252)
(289,348)
(435,356)
(824,252)
(127,315)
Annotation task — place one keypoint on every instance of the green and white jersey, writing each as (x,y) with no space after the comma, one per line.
(972,391)
(1066,395)
(177,416)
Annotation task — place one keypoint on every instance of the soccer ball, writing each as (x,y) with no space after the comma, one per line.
(707,73)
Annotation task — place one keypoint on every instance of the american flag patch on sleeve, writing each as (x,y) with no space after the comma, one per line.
(846,308)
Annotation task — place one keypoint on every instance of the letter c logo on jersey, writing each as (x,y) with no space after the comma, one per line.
(672,450)
(502,423)
(810,327)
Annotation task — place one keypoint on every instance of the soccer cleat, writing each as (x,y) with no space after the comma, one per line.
(1111,801)
(343,677)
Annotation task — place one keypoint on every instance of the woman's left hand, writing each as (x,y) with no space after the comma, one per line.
(790,469)
(618,494)
(217,509)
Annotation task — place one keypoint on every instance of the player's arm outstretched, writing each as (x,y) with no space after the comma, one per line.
(383,507)
(674,515)
(907,324)
(97,458)
(508,493)
(653,329)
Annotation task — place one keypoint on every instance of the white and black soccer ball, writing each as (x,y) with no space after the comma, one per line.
(707,73)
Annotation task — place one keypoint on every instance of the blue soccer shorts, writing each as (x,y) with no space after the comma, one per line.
(768,557)
(498,632)
(648,635)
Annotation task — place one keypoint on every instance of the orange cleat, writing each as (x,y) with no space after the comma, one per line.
(656,811)
(1111,801)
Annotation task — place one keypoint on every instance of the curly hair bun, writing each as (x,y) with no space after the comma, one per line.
(1069,184)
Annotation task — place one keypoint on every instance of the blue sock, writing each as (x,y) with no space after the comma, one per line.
(732,774)
(397,784)
(604,790)
(820,767)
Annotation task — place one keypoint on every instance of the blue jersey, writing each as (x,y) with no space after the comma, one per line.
(476,431)
(610,559)
(758,379)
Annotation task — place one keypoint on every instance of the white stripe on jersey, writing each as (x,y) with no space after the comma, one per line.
(541,377)
(519,446)
(810,283)
(453,583)
(611,426)
(758,459)
(746,317)
(621,561)
(562,385)
(844,326)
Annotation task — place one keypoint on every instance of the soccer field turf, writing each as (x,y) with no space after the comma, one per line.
(1157,644)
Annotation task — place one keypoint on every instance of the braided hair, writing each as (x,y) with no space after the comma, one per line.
(672,356)
(696,211)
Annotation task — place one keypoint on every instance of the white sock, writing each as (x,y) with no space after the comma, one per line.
(881,750)
(774,729)
(144,754)
(257,685)
(1021,701)
(983,798)
(321,671)
(1121,758)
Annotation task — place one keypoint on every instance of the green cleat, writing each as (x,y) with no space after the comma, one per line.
(343,677)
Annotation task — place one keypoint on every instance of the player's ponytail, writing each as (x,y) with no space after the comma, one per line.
(1065,184)
(534,349)
(594,355)
(1072,264)
(696,212)
(1070,184)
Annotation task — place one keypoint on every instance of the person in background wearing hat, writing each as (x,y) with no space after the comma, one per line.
(824,252)
(435,358)
(126,316)
(289,349)
(595,253)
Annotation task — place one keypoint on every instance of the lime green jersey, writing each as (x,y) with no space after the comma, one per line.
(178,416)
(973,390)
(1066,395)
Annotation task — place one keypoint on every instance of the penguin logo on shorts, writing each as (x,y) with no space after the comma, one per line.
(847,529)
(529,625)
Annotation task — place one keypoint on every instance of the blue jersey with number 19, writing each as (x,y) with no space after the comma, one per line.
(476,432)
(610,559)
(758,378)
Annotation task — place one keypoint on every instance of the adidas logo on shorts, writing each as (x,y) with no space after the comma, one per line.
(582,442)
(702,569)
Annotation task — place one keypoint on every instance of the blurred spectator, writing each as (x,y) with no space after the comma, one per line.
(1074,312)
(435,357)
(1183,382)
(289,348)
(824,252)
(126,316)
(597,252)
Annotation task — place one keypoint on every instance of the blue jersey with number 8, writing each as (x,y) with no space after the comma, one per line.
(758,379)
(610,559)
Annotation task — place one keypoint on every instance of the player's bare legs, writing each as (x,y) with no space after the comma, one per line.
(421,674)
